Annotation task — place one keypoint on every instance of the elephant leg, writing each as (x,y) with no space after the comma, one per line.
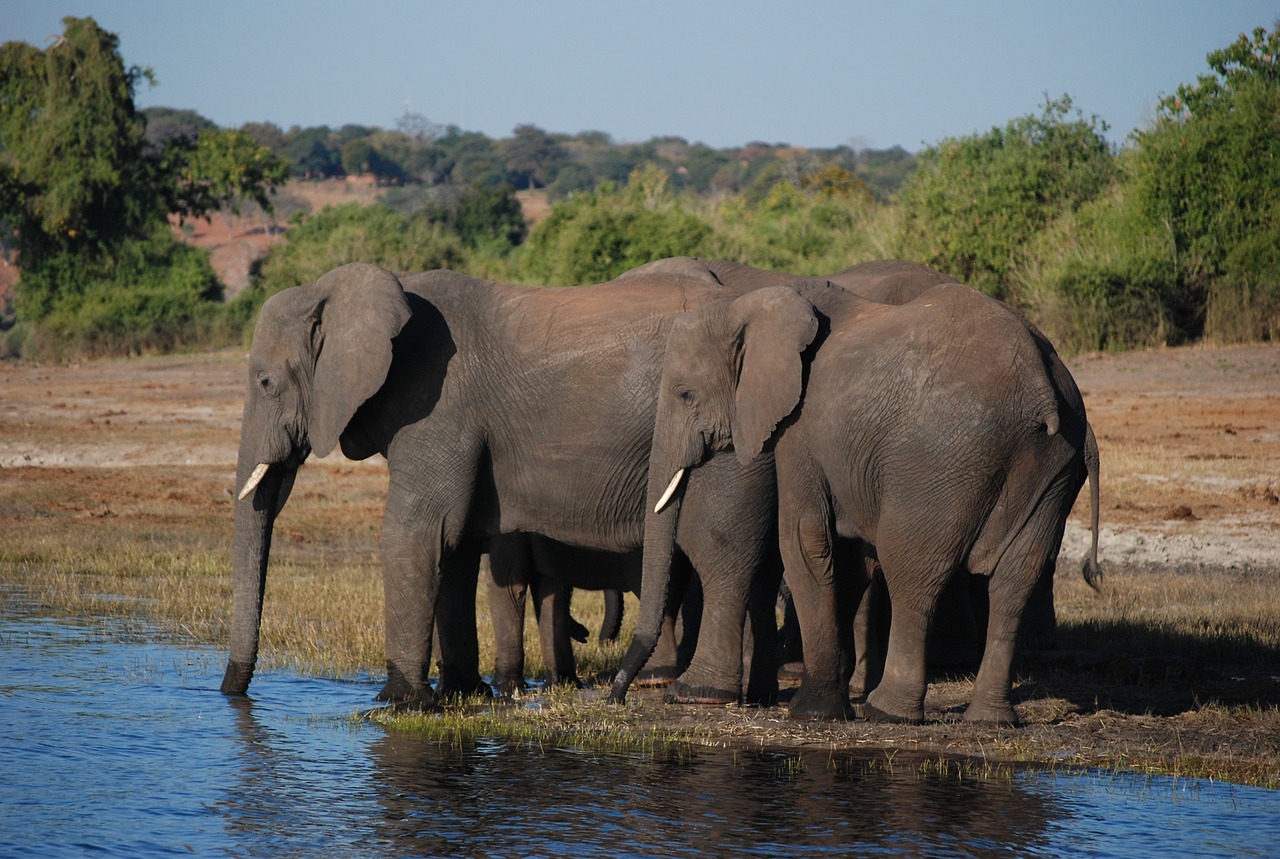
(760,647)
(915,582)
(411,585)
(551,606)
(1013,582)
(807,544)
(456,622)
(870,633)
(508,566)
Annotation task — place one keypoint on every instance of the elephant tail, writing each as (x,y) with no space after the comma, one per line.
(1091,569)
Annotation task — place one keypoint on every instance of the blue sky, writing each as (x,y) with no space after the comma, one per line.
(722,72)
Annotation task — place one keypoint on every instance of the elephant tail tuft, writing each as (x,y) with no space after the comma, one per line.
(1091,569)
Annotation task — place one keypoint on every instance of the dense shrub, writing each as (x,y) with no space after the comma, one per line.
(975,202)
(1244,303)
(154,295)
(353,233)
(595,237)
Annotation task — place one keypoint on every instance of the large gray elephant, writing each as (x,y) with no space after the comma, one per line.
(499,408)
(937,431)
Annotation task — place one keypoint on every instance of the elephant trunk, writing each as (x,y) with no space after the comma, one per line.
(655,583)
(255,517)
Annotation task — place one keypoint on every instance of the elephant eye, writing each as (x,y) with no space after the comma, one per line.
(685,395)
(265,383)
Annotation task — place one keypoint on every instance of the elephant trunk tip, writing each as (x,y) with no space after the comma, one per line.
(637,655)
(235,682)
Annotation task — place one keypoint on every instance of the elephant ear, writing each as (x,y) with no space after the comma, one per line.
(775,326)
(361,308)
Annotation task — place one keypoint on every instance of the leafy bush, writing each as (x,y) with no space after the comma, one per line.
(1244,304)
(155,295)
(1105,277)
(594,237)
(354,233)
(803,232)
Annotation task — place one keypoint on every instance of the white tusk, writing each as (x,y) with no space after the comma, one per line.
(671,490)
(259,472)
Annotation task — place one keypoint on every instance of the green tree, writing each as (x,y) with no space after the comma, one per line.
(314,153)
(528,154)
(974,202)
(82,191)
(1208,171)
(163,123)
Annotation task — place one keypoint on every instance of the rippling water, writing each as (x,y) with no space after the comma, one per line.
(113,745)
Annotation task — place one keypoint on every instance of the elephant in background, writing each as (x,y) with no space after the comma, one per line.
(937,431)
(521,562)
(499,408)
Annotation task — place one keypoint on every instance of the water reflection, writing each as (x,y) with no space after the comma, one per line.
(111,744)
(720,803)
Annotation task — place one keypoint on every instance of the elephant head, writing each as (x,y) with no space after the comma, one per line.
(319,351)
(733,371)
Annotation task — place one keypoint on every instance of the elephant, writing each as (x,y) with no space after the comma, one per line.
(956,637)
(937,431)
(520,562)
(499,408)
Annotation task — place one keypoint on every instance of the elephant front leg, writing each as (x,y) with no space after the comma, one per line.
(807,554)
(411,585)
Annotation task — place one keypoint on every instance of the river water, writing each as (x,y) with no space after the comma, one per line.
(113,745)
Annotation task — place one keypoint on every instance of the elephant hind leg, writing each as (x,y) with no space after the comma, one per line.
(1013,583)
(915,580)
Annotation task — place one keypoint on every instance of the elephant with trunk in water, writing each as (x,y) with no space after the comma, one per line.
(499,409)
(938,431)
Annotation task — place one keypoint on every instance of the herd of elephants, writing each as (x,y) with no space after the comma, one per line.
(889,448)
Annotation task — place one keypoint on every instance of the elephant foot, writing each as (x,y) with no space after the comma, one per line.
(422,699)
(236,680)
(508,685)
(876,710)
(994,715)
(831,707)
(663,675)
(684,693)
(456,690)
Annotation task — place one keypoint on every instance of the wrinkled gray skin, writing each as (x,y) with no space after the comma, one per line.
(499,408)
(960,625)
(936,431)
(520,563)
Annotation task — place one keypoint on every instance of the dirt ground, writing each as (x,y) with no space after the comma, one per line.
(1190,446)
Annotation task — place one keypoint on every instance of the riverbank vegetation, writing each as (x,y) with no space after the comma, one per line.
(1169,237)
